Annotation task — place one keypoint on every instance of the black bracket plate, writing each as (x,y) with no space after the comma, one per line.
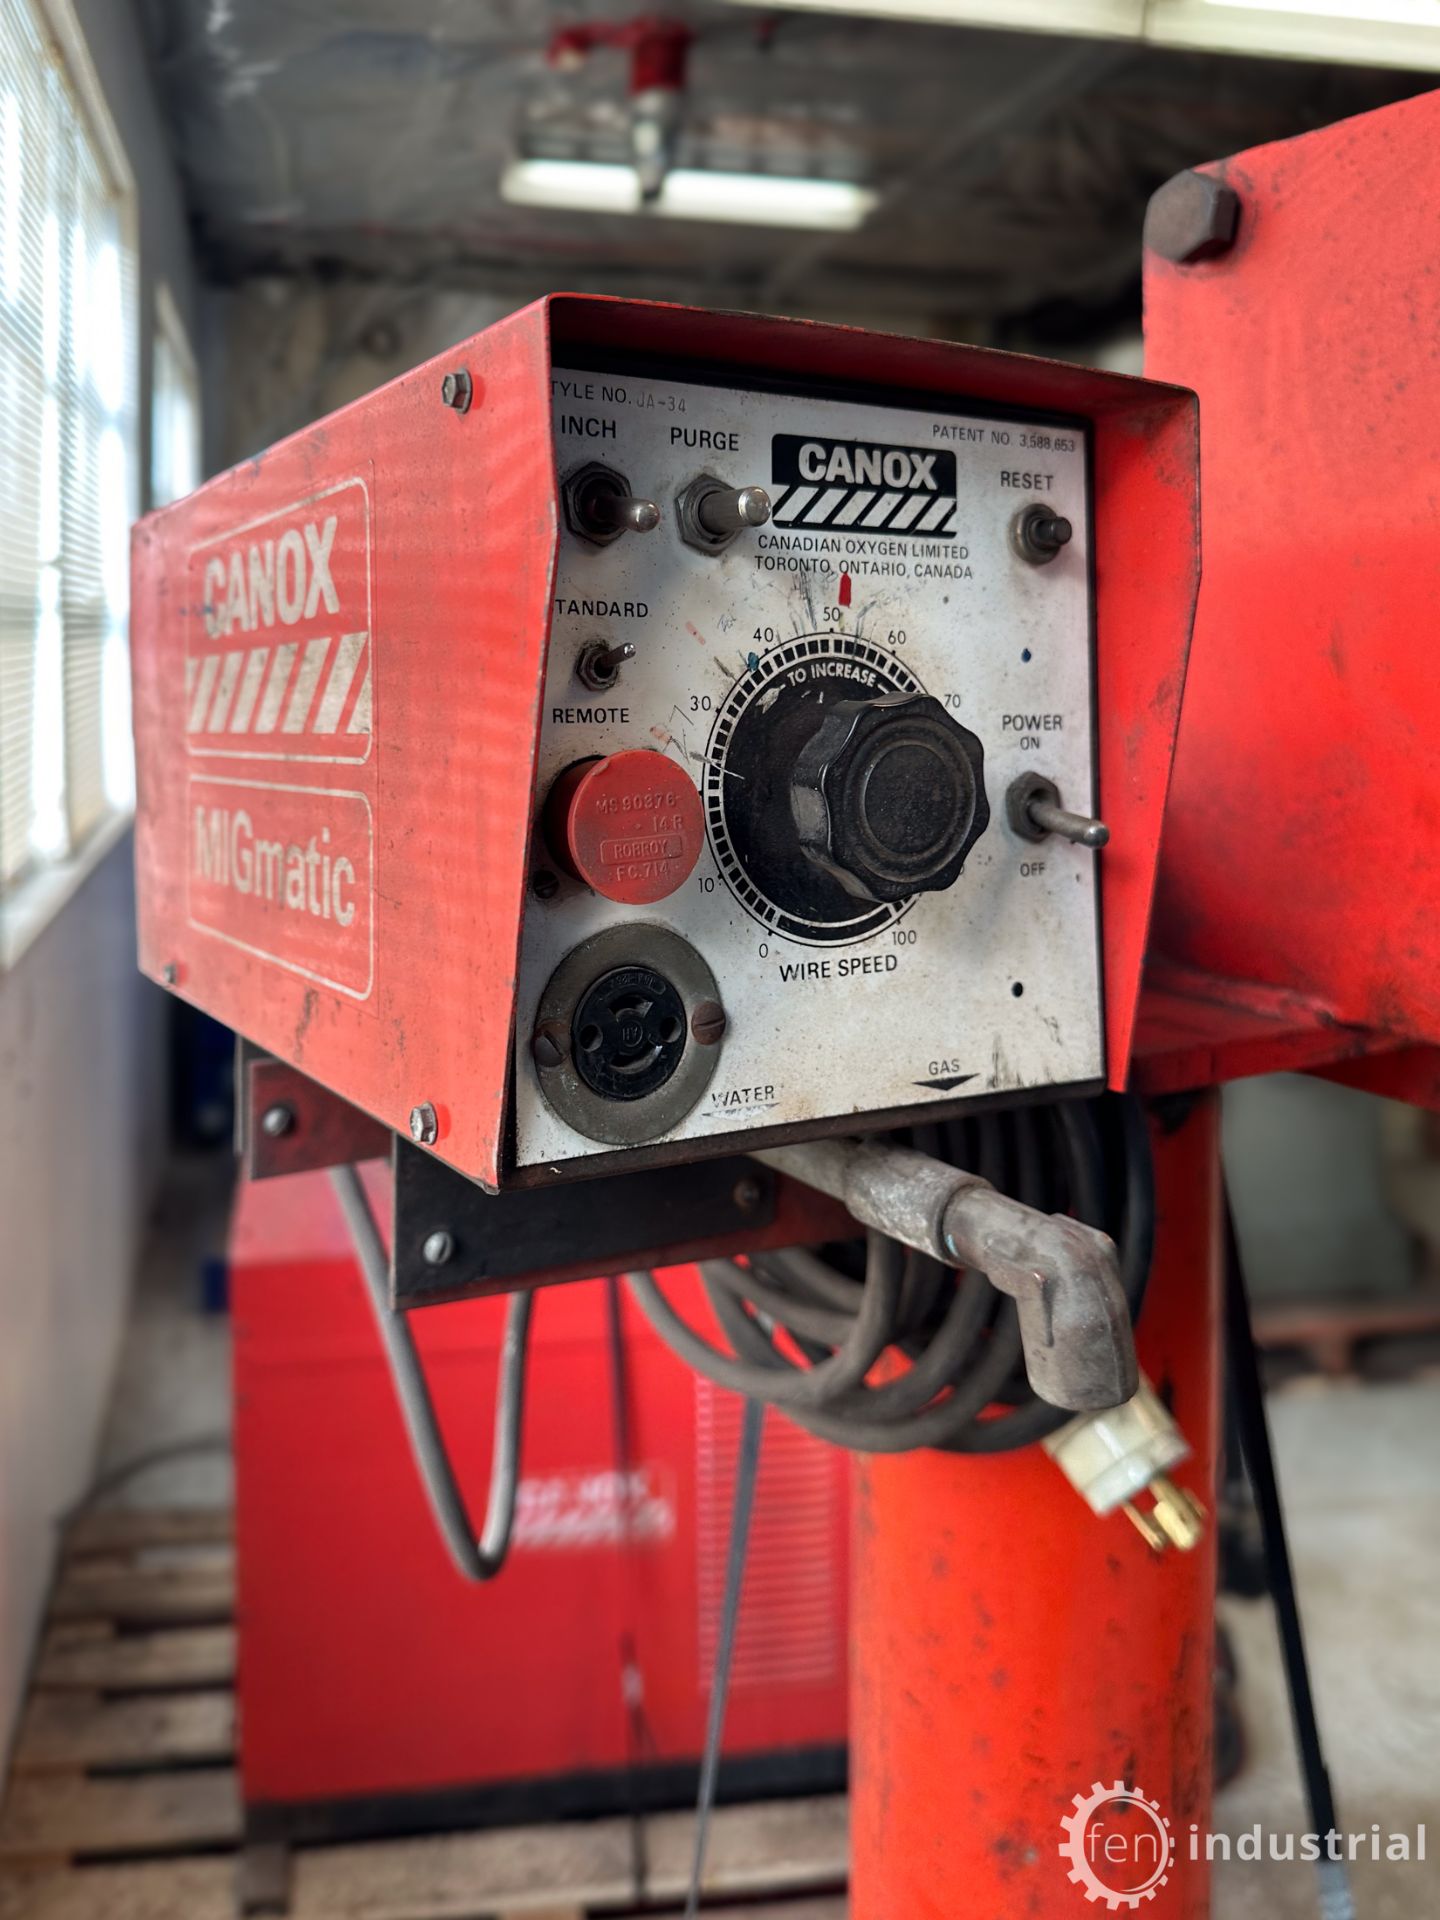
(287,1123)
(491,1242)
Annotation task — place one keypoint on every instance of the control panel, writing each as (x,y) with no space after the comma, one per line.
(816,834)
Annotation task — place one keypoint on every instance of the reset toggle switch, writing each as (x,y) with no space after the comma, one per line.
(629,825)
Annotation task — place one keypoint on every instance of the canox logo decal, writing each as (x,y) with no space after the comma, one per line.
(869,488)
(277,660)
(281,854)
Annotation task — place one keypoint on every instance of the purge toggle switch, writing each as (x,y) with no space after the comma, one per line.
(888,796)
(630,825)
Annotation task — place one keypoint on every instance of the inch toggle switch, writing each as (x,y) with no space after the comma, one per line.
(600,506)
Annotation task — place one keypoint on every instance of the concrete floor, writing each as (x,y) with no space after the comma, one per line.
(1360,1471)
(173,1382)
(1360,1468)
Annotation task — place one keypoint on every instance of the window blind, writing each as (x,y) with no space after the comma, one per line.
(67,460)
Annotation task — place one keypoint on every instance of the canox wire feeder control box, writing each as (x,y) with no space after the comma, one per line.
(643,734)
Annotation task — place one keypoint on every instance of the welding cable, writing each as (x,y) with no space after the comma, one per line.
(804,1335)
(475,1560)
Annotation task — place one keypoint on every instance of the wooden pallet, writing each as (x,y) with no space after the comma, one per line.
(124,1803)
(1332,1333)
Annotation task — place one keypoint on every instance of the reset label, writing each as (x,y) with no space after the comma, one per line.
(286,873)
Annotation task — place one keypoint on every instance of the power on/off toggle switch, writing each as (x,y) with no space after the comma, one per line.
(629,825)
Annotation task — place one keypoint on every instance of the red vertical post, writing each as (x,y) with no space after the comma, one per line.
(1011,1650)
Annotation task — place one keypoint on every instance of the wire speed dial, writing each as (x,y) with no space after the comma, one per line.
(767,721)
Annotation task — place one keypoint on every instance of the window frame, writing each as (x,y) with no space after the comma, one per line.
(38,892)
(169,330)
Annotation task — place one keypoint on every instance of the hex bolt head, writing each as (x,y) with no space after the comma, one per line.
(438,1248)
(549,1044)
(708,1023)
(277,1121)
(457,391)
(1193,217)
(424,1125)
(544,884)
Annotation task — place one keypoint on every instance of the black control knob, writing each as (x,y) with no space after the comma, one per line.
(888,796)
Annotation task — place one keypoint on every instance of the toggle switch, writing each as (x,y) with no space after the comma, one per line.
(1032,806)
(733,509)
(598,664)
(712,514)
(600,506)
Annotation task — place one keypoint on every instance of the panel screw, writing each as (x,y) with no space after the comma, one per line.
(747,1195)
(1193,217)
(456,390)
(277,1121)
(707,1023)
(170,973)
(550,1044)
(438,1248)
(424,1125)
(544,885)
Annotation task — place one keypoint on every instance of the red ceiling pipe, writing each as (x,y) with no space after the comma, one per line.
(659,49)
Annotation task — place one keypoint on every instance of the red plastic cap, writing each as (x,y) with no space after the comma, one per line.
(629,825)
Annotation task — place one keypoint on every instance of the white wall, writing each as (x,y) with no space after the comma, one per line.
(82,1055)
(82,1131)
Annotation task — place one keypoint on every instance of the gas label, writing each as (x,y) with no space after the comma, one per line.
(285,872)
(278,639)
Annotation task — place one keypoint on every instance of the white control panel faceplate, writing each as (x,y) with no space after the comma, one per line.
(888,566)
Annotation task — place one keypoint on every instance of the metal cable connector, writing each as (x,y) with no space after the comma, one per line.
(1064,1277)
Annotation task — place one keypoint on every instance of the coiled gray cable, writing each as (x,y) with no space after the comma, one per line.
(965,1389)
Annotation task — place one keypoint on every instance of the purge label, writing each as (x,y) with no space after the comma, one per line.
(285,873)
(278,639)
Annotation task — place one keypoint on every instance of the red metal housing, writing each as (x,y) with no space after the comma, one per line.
(370,1674)
(1298,910)
(403,552)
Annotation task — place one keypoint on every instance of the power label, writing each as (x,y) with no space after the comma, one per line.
(862,485)
(278,642)
(285,873)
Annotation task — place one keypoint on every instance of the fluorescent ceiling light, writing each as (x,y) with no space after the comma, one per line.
(689,193)
(1105,19)
(1383,33)
(1372,13)
(1398,33)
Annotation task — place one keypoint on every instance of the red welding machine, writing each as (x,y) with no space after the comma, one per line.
(378,1691)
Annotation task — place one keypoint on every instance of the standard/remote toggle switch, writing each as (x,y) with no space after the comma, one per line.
(599,663)
(600,506)
(712,514)
(1032,805)
(629,825)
